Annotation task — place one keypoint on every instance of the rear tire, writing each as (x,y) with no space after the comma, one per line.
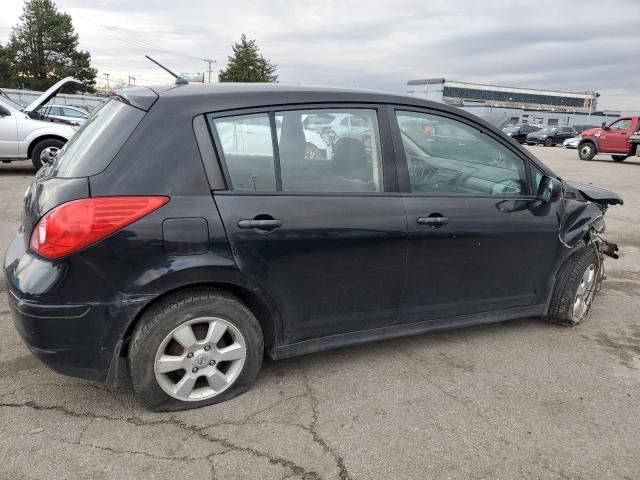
(586,151)
(192,309)
(39,148)
(619,158)
(574,289)
(548,142)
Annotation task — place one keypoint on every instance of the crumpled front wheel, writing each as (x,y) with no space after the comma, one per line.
(576,285)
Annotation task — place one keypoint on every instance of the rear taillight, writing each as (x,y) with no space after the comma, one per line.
(77,224)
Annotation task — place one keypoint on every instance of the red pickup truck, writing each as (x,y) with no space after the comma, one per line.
(614,139)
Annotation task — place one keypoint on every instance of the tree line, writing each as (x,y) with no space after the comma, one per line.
(44,48)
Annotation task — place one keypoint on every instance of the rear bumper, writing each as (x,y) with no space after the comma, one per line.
(76,338)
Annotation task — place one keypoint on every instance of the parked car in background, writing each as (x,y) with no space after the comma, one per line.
(519,132)
(572,142)
(192,277)
(26,134)
(65,112)
(86,108)
(550,136)
(247,137)
(614,139)
(336,125)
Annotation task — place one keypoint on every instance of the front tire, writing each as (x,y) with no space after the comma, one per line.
(49,147)
(194,348)
(586,151)
(548,142)
(619,158)
(575,288)
(312,152)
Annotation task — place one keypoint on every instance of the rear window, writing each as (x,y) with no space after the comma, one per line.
(93,147)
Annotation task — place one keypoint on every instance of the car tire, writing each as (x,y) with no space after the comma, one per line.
(586,151)
(575,287)
(186,311)
(312,152)
(619,158)
(548,142)
(38,149)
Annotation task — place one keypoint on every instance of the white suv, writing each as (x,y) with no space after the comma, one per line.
(22,136)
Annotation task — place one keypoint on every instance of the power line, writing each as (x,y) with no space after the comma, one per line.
(128,38)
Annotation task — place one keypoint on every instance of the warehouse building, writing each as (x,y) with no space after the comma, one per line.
(514,105)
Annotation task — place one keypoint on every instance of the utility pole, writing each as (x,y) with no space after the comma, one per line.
(131,77)
(107,75)
(210,62)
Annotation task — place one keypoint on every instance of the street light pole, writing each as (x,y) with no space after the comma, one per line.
(107,75)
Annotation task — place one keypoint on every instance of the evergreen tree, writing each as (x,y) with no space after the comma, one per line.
(6,72)
(43,48)
(247,64)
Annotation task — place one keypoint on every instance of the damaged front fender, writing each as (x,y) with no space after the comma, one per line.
(582,214)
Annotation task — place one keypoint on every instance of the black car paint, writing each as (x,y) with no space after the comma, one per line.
(377,266)
(520,135)
(556,137)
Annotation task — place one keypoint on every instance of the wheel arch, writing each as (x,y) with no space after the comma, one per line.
(592,140)
(48,136)
(262,307)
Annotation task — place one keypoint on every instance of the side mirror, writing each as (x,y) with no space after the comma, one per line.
(604,125)
(550,189)
(4,112)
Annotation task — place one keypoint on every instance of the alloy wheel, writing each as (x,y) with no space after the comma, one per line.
(49,154)
(584,294)
(200,359)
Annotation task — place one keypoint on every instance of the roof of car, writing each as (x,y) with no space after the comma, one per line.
(228,96)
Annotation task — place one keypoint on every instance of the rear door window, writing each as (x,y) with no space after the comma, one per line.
(247,147)
(98,141)
(319,150)
(316,159)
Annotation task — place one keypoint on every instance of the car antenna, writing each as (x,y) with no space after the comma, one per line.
(179,79)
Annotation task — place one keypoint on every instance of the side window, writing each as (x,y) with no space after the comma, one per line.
(316,157)
(248,151)
(464,161)
(623,124)
(70,112)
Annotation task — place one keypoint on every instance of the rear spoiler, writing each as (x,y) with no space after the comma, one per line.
(139,97)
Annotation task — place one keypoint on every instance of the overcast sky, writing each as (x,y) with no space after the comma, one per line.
(574,45)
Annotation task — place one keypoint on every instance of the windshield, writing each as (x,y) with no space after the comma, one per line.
(548,130)
(98,141)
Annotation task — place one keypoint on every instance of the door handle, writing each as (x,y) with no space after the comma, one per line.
(260,224)
(434,222)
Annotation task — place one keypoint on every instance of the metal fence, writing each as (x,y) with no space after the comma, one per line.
(28,96)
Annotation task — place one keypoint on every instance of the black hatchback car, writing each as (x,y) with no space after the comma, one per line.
(185,231)
(550,136)
(519,132)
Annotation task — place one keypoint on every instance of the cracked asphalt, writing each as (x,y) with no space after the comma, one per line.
(520,399)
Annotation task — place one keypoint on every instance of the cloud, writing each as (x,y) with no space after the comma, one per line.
(569,45)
